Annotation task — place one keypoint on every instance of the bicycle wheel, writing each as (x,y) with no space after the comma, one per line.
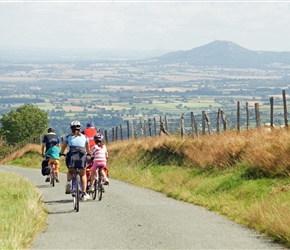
(95,189)
(52,176)
(77,189)
(100,188)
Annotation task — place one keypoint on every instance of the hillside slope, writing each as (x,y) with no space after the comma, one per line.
(226,54)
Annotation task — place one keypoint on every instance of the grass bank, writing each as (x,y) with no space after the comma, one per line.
(22,213)
(243,176)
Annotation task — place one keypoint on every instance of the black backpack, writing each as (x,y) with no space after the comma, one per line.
(45,169)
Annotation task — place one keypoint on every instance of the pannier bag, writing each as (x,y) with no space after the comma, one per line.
(45,169)
(76,158)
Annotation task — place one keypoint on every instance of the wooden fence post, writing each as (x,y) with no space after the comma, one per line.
(238,116)
(182,130)
(121,132)
(272,112)
(113,134)
(248,115)
(258,121)
(155,128)
(285,108)
(224,119)
(166,123)
(203,122)
(193,125)
(145,129)
(208,123)
(116,138)
(135,134)
(128,130)
(218,121)
(141,128)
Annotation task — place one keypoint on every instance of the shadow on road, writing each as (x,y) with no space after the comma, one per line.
(58,201)
(63,212)
(44,186)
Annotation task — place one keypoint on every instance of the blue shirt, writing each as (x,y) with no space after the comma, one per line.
(53,152)
(76,140)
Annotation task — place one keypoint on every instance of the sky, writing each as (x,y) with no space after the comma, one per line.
(144,25)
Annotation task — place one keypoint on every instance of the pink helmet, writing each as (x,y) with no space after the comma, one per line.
(98,137)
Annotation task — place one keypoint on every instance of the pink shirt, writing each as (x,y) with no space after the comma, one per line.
(100,154)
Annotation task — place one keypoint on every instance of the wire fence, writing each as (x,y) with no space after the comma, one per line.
(244,115)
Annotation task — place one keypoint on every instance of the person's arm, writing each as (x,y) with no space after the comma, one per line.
(63,147)
(88,148)
(42,148)
(47,152)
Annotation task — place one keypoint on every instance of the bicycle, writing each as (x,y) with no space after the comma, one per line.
(52,173)
(76,190)
(98,186)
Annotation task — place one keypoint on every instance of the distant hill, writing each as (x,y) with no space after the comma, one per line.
(226,54)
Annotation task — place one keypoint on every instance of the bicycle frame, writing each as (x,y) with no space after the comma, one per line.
(52,173)
(98,186)
(76,190)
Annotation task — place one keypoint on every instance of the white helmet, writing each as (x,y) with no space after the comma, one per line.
(75,125)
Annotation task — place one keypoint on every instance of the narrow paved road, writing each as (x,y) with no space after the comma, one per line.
(129,217)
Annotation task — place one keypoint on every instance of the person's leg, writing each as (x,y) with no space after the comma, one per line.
(83,176)
(56,169)
(93,175)
(103,174)
(83,179)
(70,174)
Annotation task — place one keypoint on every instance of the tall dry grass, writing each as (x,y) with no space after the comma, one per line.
(265,153)
(22,213)
(244,175)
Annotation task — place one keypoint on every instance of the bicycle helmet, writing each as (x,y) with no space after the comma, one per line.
(90,124)
(53,141)
(50,130)
(75,125)
(98,137)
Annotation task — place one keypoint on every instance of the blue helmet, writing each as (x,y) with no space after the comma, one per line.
(53,141)
(90,124)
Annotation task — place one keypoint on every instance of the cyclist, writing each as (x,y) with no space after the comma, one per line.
(53,153)
(90,131)
(46,143)
(78,148)
(100,156)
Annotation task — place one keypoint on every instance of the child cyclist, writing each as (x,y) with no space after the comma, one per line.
(53,153)
(100,156)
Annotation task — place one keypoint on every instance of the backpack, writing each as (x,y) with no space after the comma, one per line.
(45,169)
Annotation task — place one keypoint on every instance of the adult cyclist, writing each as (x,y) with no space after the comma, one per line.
(46,139)
(90,132)
(78,148)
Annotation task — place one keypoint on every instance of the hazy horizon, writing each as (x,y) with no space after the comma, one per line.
(143,25)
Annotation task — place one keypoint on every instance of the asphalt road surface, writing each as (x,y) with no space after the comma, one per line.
(129,217)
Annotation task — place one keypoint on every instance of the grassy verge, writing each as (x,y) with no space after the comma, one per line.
(253,195)
(22,213)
